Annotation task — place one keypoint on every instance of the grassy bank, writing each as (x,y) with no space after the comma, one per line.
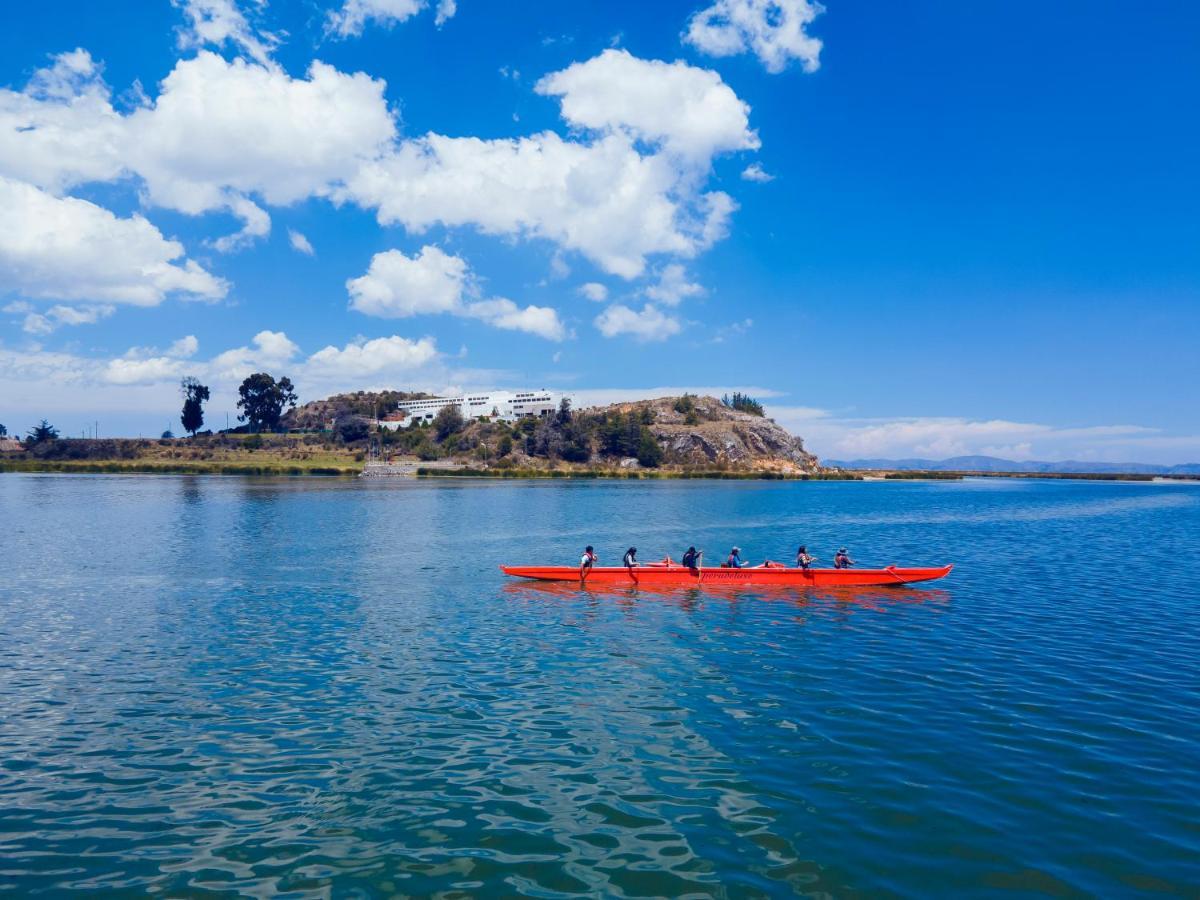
(173,467)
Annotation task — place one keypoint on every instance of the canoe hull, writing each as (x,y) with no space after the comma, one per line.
(659,575)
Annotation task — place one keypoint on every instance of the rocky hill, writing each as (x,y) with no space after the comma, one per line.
(317,414)
(702,432)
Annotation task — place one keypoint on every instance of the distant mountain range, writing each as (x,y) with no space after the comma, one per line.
(995,464)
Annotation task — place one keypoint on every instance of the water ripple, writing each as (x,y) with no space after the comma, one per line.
(319,688)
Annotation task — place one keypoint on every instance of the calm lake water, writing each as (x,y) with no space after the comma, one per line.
(220,686)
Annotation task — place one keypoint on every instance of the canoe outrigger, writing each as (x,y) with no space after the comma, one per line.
(669,573)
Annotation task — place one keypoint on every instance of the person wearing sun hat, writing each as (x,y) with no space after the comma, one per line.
(842,560)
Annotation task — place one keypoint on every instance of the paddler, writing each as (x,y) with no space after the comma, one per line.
(586,562)
(630,559)
(803,560)
(692,558)
(735,559)
(842,559)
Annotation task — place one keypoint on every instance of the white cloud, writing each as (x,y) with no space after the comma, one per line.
(218,132)
(62,129)
(398,286)
(56,316)
(774,30)
(70,249)
(184,347)
(146,378)
(242,137)
(755,172)
(222,130)
(689,111)
(432,282)
(217,22)
(255,224)
(143,371)
(300,243)
(594,291)
(501,313)
(673,286)
(445,10)
(603,199)
(938,437)
(651,324)
(363,358)
(268,350)
(350,20)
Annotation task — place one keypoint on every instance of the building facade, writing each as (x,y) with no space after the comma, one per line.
(506,405)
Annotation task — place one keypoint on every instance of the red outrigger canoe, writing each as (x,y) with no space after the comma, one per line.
(673,574)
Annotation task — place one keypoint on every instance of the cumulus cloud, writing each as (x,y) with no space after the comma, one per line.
(300,243)
(398,286)
(62,129)
(502,313)
(56,316)
(221,130)
(353,16)
(240,136)
(594,291)
(773,30)
(650,324)
(689,111)
(604,199)
(267,350)
(69,249)
(218,22)
(673,286)
(433,281)
(755,172)
(363,358)
(218,132)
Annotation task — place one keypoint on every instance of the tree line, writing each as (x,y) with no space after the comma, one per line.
(261,398)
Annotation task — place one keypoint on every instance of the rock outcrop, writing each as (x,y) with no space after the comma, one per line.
(711,434)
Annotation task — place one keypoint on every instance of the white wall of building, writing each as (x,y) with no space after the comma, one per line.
(506,405)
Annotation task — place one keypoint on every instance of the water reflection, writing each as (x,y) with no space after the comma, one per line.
(689,598)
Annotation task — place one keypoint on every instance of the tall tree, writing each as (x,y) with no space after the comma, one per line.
(194,395)
(263,400)
(448,421)
(3,431)
(43,432)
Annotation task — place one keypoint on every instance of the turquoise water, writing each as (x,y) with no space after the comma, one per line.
(221,686)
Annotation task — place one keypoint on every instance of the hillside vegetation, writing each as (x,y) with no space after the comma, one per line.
(670,435)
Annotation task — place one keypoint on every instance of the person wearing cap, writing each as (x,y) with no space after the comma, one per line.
(735,559)
(692,558)
(630,559)
(586,562)
(842,560)
(803,560)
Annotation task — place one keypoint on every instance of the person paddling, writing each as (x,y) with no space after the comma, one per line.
(586,562)
(692,558)
(803,560)
(735,559)
(630,561)
(842,560)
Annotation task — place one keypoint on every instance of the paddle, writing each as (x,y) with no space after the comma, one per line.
(891,570)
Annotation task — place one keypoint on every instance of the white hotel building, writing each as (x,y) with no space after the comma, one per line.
(504,405)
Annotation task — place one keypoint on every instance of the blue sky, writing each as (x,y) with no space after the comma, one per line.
(913,229)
